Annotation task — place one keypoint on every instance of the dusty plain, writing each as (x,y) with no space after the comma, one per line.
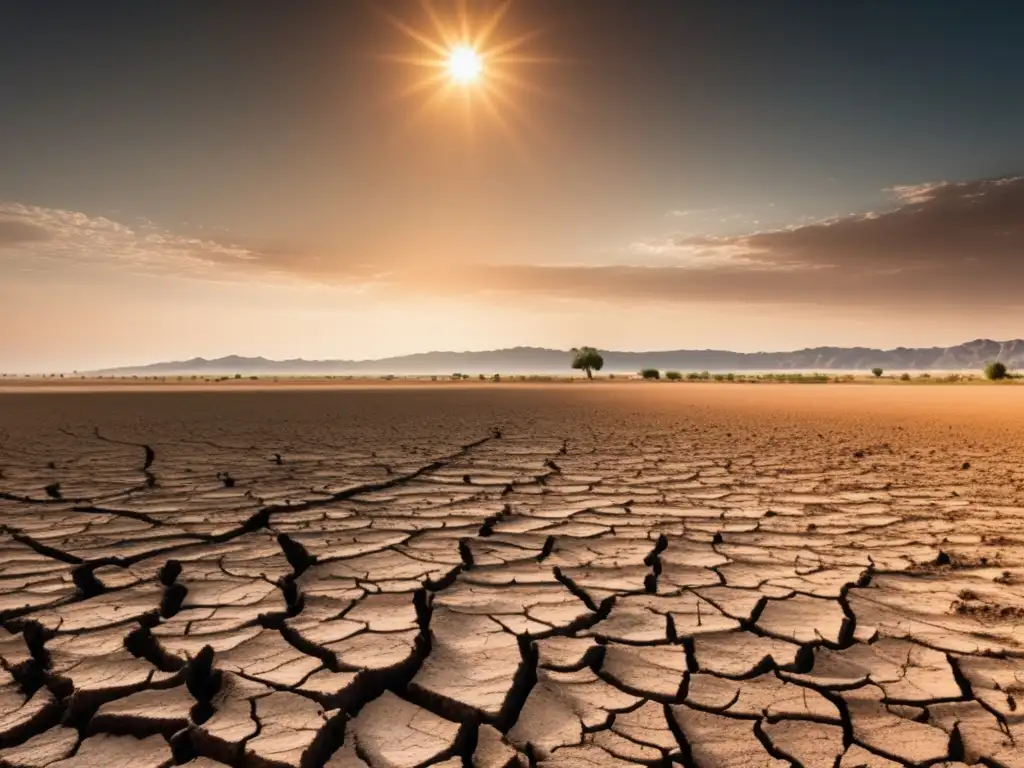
(498,575)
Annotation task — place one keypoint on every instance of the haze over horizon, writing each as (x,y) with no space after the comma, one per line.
(204,179)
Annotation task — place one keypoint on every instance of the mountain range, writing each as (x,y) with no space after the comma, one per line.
(971,355)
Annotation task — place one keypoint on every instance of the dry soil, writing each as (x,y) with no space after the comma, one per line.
(704,575)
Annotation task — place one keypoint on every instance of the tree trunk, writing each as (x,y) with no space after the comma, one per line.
(589,374)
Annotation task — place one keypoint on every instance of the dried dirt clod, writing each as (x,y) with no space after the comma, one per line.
(390,731)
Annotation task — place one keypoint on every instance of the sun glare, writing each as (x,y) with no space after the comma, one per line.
(459,50)
(464,64)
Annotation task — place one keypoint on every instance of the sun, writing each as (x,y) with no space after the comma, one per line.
(455,51)
(464,64)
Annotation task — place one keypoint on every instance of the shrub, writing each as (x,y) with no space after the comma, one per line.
(496,377)
(995,371)
(797,378)
(588,360)
(693,376)
(719,377)
(877,372)
(650,373)
(673,375)
(904,377)
(730,377)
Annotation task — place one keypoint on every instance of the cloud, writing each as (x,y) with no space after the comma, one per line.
(935,228)
(35,239)
(943,243)
(15,231)
(940,244)
(696,253)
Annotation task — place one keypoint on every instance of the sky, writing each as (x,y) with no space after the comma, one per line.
(184,178)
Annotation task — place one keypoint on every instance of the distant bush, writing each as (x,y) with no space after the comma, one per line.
(719,377)
(238,375)
(797,378)
(730,377)
(673,375)
(877,372)
(995,371)
(496,377)
(650,373)
(693,376)
(904,377)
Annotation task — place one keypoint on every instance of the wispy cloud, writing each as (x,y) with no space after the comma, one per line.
(37,238)
(698,253)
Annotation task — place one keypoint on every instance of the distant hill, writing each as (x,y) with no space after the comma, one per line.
(970,355)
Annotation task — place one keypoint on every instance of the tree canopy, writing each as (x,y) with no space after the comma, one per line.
(588,360)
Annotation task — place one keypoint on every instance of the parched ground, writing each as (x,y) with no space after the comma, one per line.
(498,575)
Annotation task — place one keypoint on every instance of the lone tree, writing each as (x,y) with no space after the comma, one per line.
(588,360)
(995,371)
(878,372)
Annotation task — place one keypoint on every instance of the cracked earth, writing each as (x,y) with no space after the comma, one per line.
(513,576)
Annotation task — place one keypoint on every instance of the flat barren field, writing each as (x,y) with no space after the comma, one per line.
(495,575)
